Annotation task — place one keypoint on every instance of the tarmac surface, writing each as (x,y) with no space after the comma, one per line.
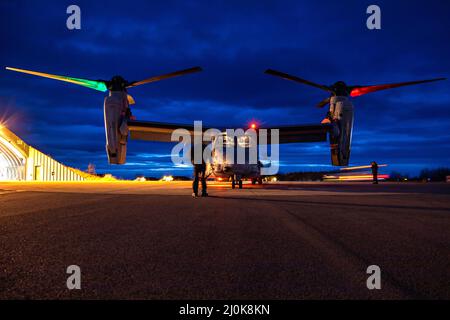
(152,240)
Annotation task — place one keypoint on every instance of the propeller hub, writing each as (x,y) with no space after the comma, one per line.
(340,88)
(117,83)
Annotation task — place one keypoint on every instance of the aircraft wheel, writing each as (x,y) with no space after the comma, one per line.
(260,181)
(240,184)
(233,184)
(253,181)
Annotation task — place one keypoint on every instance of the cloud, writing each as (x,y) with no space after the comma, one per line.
(234,42)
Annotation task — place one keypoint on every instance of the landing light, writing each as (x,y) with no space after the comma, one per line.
(167,178)
(253,126)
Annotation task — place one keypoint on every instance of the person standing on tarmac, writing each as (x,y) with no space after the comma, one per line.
(199,173)
(374,166)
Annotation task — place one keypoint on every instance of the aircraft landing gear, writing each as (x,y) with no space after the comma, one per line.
(236,180)
(257,180)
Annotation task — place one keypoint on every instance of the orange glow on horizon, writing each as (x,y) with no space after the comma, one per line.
(360,177)
(361,167)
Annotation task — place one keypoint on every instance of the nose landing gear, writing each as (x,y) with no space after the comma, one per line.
(257,180)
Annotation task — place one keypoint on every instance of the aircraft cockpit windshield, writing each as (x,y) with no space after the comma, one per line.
(244,141)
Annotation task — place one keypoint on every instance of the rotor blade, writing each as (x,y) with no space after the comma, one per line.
(323,103)
(297,79)
(357,91)
(92,84)
(164,76)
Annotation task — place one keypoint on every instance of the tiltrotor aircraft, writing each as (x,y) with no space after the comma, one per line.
(119,123)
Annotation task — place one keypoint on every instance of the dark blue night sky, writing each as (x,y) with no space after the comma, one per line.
(234,42)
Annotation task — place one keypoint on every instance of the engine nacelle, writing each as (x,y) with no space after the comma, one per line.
(116,128)
(341,114)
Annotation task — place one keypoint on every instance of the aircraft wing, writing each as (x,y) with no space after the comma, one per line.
(302,133)
(160,131)
(157,131)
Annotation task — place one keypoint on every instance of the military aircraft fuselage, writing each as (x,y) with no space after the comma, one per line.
(224,166)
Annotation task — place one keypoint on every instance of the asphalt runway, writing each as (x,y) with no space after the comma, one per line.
(152,240)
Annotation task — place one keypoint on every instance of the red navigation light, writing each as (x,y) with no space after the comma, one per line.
(253,126)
